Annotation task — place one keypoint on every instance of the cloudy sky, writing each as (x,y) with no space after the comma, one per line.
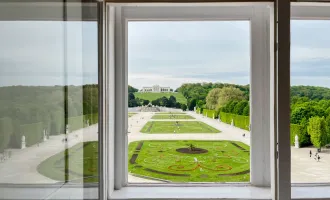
(164,53)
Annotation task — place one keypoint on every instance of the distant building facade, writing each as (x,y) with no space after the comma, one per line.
(156,88)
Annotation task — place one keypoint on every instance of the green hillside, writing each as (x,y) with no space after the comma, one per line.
(155,95)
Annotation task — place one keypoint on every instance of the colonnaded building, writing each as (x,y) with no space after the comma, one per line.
(156,88)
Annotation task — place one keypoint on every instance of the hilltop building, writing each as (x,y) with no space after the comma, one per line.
(156,88)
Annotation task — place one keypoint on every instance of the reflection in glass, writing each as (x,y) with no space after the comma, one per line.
(49,108)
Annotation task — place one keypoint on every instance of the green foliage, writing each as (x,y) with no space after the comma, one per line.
(184,107)
(311,92)
(246,110)
(177,127)
(154,95)
(132,89)
(6,130)
(192,103)
(57,123)
(228,94)
(239,107)
(317,130)
(33,134)
(240,121)
(212,98)
(217,156)
(210,113)
(76,123)
(303,137)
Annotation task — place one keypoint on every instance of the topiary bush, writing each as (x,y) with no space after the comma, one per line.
(303,137)
(6,130)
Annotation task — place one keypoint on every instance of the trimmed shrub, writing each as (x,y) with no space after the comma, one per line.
(303,137)
(240,121)
(6,130)
(33,134)
(210,113)
(76,123)
(93,118)
(199,110)
(57,123)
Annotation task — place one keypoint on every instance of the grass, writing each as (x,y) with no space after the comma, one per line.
(176,113)
(224,162)
(130,114)
(81,161)
(178,127)
(156,95)
(172,117)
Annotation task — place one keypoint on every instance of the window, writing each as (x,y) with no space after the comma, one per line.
(49,103)
(170,139)
(125,17)
(309,69)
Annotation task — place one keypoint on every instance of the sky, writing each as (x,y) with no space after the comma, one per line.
(163,53)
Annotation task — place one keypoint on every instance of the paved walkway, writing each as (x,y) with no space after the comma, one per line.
(22,167)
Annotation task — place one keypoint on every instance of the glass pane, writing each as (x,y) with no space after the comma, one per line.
(49,107)
(188,99)
(310,101)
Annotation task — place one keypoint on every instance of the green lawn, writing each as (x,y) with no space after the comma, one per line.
(176,113)
(131,114)
(155,95)
(82,160)
(178,127)
(225,161)
(174,117)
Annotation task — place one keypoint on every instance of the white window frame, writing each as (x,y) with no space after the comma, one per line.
(261,51)
(309,11)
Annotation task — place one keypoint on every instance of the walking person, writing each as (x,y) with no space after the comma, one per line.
(310,153)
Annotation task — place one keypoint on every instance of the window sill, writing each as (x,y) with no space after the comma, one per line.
(221,192)
(310,191)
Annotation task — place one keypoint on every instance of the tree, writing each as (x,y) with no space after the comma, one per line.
(145,102)
(171,102)
(192,103)
(229,94)
(317,130)
(184,107)
(246,110)
(239,107)
(212,98)
(132,89)
(131,96)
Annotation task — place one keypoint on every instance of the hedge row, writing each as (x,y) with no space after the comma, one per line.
(210,113)
(6,130)
(240,121)
(303,137)
(33,133)
(199,110)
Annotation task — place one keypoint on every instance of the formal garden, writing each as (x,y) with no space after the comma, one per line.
(190,161)
(76,164)
(172,116)
(177,127)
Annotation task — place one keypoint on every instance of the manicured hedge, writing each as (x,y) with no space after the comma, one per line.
(33,133)
(240,121)
(76,123)
(210,113)
(57,123)
(6,130)
(93,118)
(303,137)
(199,110)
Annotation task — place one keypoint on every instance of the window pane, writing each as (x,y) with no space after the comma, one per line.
(49,109)
(188,99)
(310,101)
